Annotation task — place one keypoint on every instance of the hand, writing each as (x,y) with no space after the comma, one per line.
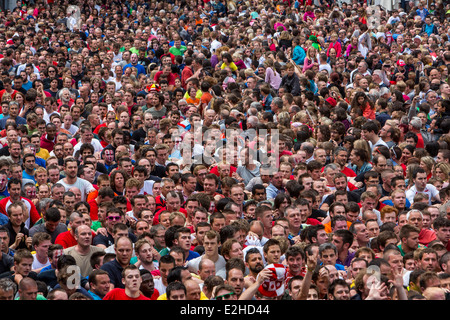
(398,278)
(28,241)
(19,238)
(263,275)
(102,231)
(376,290)
(156,255)
(131,221)
(311,261)
(296,239)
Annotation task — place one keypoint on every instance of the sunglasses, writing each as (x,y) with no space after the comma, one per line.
(225,296)
(114,218)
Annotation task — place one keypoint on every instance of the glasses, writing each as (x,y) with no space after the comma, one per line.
(114,218)
(226,296)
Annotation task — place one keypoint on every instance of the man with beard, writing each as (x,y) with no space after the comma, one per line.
(71,179)
(254,262)
(339,290)
(145,254)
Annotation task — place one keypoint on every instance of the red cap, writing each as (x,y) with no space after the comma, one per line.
(401,63)
(331,101)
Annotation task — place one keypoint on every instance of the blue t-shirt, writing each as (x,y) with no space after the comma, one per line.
(192,255)
(27,176)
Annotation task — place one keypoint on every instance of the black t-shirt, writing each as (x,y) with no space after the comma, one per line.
(6,263)
(352,196)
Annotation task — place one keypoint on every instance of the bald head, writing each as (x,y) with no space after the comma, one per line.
(193,291)
(28,289)
(434,293)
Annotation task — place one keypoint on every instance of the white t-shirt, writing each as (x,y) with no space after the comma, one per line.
(429,190)
(193,264)
(148,187)
(159,286)
(37,265)
(82,184)
(95,143)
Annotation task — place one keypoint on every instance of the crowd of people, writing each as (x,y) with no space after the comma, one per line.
(224,150)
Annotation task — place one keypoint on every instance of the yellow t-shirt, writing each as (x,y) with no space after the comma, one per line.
(232,66)
(43,153)
(164,296)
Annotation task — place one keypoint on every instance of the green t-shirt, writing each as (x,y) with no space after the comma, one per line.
(38,297)
(177,51)
(96,225)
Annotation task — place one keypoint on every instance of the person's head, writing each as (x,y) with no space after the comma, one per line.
(339,290)
(28,289)
(328,253)
(99,282)
(272,251)
(415,217)
(235,269)
(409,237)
(131,278)
(176,291)
(225,292)
(427,259)
(124,249)
(295,258)
(7,289)
(342,239)
(23,259)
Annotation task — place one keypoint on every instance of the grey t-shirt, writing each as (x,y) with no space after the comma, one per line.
(247,174)
(158,113)
(41,228)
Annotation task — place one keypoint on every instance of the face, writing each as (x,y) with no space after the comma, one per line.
(295,264)
(24,267)
(420,181)
(273,254)
(416,219)
(294,218)
(132,280)
(328,257)
(236,280)
(124,251)
(362,234)
(428,262)
(341,293)
(373,229)
(412,241)
(16,216)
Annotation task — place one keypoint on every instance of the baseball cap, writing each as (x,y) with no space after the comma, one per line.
(401,63)
(331,101)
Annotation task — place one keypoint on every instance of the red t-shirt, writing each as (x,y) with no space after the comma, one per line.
(215,170)
(93,205)
(119,294)
(67,240)
(156,217)
(170,78)
(348,172)
(420,143)
(426,236)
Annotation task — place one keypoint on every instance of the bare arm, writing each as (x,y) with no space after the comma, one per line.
(311,264)
(250,292)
